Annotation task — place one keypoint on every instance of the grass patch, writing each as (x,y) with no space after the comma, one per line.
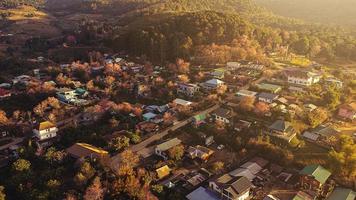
(300,61)
(23,13)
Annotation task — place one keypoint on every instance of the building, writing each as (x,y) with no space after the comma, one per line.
(202,193)
(71,96)
(182,103)
(4,93)
(271,88)
(333,81)
(342,194)
(187,89)
(302,77)
(231,188)
(267,97)
(83,150)
(282,129)
(161,149)
(200,152)
(149,116)
(245,93)
(313,177)
(45,130)
(198,120)
(223,115)
(302,196)
(163,172)
(347,111)
(218,73)
(213,84)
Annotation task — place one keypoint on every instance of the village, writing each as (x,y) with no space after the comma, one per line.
(234,131)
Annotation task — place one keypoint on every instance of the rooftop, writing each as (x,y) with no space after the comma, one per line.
(182,102)
(202,194)
(163,171)
(168,144)
(45,125)
(82,150)
(317,171)
(281,125)
(214,82)
(222,112)
(342,194)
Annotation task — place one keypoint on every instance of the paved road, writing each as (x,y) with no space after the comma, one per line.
(143,148)
(15,141)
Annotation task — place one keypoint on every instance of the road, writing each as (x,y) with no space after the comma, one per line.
(15,141)
(143,148)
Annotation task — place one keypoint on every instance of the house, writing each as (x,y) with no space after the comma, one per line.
(187,89)
(202,193)
(198,120)
(182,103)
(282,129)
(313,177)
(161,149)
(348,111)
(203,153)
(342,194)
(245,93)
(326,133)
(212,84)
(243,172)
(231,188)
(333,81)
(4,93)
(218,73)
(267,97)
(242,125)
(271,88)
(83,150)
(163,172)
(253,167)
(148,116)
(233,66)
(45,130)
(310,107)
(223,115)
(71,96)
(302,77)
(302,196)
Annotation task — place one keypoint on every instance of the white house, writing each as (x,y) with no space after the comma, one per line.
(303,78)
(213,84)
(45,130)
(187,89)
(231,188)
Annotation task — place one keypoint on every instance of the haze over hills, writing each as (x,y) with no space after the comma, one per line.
(320,11)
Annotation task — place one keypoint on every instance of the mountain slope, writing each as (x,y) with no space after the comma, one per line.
(320,11)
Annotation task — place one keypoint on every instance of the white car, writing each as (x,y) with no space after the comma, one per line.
(221,147)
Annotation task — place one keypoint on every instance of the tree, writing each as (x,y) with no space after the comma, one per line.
(217,166)
(343,159)
(246,104)
(221,89)
(176,153)
(3,119)
(332,97)
(128,161)
(21,165)
(120,143)
(2,193)
(261,108)
(94,191)
(317,117)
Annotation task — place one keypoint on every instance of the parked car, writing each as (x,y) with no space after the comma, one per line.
(221,147)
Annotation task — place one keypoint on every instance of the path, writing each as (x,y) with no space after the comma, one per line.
(142,148)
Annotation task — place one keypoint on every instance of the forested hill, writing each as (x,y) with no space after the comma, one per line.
(340,12)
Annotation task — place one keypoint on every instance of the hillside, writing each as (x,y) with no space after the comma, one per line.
(338,12)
